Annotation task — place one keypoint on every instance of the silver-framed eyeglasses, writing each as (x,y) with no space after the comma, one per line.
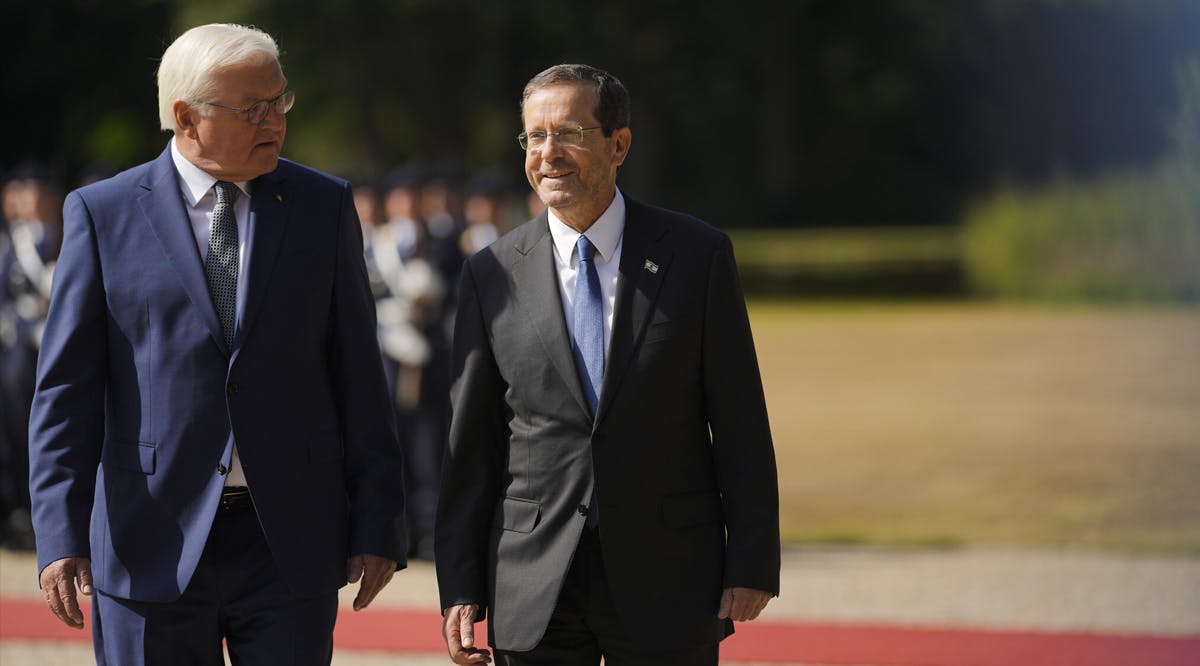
(568,136)
(257,112)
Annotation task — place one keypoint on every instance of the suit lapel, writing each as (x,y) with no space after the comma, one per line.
(269,205)
(644,263)
(163,209)
(537,289)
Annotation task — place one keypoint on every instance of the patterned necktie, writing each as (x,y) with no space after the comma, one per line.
(221,264)
(589,323)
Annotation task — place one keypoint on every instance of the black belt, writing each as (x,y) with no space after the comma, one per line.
(234,498)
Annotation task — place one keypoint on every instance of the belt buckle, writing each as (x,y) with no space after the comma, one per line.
(235,498)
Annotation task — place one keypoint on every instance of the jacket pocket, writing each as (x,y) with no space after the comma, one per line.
(658,331)
(688,509)
(518,515)
(129,455)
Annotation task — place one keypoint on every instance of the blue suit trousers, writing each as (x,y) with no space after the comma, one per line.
(236,596)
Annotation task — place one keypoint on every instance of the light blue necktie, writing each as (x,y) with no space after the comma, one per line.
(589,338)
(589,323)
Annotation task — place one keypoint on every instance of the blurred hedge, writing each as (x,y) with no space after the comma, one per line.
(896,262)
(1132,237)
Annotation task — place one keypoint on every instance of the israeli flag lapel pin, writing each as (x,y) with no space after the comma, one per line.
(651,266)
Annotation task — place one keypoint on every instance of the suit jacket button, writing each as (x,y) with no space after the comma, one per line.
(583,509)
(222,470)
(232,389)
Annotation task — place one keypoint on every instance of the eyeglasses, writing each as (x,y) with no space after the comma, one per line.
(257,112)
(572,136)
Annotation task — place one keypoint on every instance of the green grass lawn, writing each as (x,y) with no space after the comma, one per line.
(976,424)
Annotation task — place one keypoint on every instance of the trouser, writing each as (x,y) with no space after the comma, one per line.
(586,626)
(236,595)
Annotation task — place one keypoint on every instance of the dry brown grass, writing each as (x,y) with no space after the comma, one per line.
(937,424)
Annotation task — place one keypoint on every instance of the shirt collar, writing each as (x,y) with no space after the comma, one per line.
(196,182)
(605,233)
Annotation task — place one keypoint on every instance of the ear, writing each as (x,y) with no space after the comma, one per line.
(185,119)
(621,140)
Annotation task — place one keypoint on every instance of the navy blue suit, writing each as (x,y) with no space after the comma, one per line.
(137,393)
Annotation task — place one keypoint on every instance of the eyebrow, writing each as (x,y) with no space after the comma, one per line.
(571,126)
(252,100)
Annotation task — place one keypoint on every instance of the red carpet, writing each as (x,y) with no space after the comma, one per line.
(772,642)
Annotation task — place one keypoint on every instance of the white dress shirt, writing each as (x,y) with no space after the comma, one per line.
(199,200)
(606,233)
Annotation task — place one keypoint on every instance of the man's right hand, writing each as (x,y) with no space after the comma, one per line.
(59,579)
(458,628)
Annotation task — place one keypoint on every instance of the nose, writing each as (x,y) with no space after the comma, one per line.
(274,118)
(550,147)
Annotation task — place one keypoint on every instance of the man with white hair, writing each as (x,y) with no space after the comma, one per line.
(212,449)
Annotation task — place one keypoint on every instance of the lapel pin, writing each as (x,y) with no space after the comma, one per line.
(651,266)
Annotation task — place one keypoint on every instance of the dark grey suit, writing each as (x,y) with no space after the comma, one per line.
(680,450)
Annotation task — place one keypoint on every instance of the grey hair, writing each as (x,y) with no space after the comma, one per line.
(612,99)
(189,65)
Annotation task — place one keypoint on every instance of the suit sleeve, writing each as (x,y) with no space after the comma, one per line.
(372,451)
(471,467)
(66,425)
(741,434)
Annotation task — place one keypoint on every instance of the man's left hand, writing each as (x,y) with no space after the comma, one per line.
(375,572)
(742,603)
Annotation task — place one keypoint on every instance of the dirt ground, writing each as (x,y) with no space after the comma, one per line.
(999,425)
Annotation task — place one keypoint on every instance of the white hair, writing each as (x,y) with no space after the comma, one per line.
(189,65)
